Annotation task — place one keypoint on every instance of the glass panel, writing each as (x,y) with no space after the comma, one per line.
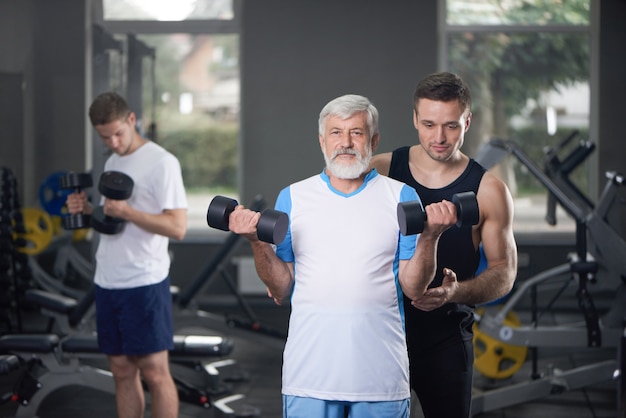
(167,10)
(532,88)
(518,12)
(196,111)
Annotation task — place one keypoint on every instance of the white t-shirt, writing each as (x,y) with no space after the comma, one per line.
(346,331)
(136,257)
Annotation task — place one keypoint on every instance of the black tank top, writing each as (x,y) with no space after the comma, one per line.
(456,251)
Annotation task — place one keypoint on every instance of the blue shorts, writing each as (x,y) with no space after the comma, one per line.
(135,321)
(297,407)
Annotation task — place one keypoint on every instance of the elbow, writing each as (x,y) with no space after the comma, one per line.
(178,232)
(180,235)
(180,229)
(511,280)
(177,224)
(412,290)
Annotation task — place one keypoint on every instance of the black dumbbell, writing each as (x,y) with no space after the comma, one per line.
(272,226)
(75,182)
(112,185)
(412,217)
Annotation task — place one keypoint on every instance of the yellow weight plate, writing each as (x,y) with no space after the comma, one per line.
(37,234)
(494,358)
(56,225)
(80,234)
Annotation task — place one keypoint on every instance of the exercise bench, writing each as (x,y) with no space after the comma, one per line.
(51,362)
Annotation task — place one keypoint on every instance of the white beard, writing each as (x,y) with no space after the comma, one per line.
(348,171)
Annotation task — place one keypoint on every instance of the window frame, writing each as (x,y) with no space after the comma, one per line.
(190,27)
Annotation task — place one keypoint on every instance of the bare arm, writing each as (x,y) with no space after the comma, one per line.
(416,273)
(496,233)
(171,223)
(276,274)
(496,206)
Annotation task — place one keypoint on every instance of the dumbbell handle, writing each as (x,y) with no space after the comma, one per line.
(76,182)
(412,218)
(272,226)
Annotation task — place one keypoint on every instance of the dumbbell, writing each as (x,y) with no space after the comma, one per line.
(272,226)
(76,182)
(112,185)
(411,216)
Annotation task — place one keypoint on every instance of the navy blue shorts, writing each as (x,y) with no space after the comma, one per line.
(135,321)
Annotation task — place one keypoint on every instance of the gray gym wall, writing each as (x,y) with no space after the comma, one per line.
(45,42)
(298,55)
(611,97)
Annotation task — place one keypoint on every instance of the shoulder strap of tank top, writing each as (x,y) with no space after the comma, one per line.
(399,162)
(475,173)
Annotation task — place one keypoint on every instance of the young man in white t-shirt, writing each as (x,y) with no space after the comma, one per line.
(133,299)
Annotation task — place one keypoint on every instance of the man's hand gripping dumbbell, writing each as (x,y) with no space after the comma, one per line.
(226,214)
(431,222)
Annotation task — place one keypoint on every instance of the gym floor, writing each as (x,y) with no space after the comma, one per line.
(255,376)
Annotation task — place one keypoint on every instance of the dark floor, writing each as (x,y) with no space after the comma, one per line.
(254,378)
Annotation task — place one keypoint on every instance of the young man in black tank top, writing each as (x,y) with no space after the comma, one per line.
(439,324)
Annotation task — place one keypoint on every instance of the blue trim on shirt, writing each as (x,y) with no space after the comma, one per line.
(369,176)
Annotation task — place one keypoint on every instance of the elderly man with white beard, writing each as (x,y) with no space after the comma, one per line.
(344,266)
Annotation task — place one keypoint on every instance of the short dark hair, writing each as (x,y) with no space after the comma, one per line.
(108,107)
(443,87)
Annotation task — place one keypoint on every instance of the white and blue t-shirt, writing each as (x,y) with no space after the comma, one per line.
(346,331)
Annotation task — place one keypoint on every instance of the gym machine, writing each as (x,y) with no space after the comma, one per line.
(49,362)
(598,245)
(198,374)
(70,314)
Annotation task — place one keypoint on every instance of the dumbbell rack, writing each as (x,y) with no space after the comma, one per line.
(14,269)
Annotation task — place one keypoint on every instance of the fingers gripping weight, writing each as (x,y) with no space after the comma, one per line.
(75,182)
(272,226)
(412,218)
(117,186)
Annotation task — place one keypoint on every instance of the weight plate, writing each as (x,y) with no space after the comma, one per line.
(51,196)
(75,181)
(77,221)
(37,232)
(411,217)
(494,358)
(272,226)
(468,211)
(106,224)
(219,212)
(115,185)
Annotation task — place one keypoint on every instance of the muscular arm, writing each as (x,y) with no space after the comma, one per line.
(496,231)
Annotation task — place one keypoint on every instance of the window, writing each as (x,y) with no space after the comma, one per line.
(187,92)
(527,63)
(167,10)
